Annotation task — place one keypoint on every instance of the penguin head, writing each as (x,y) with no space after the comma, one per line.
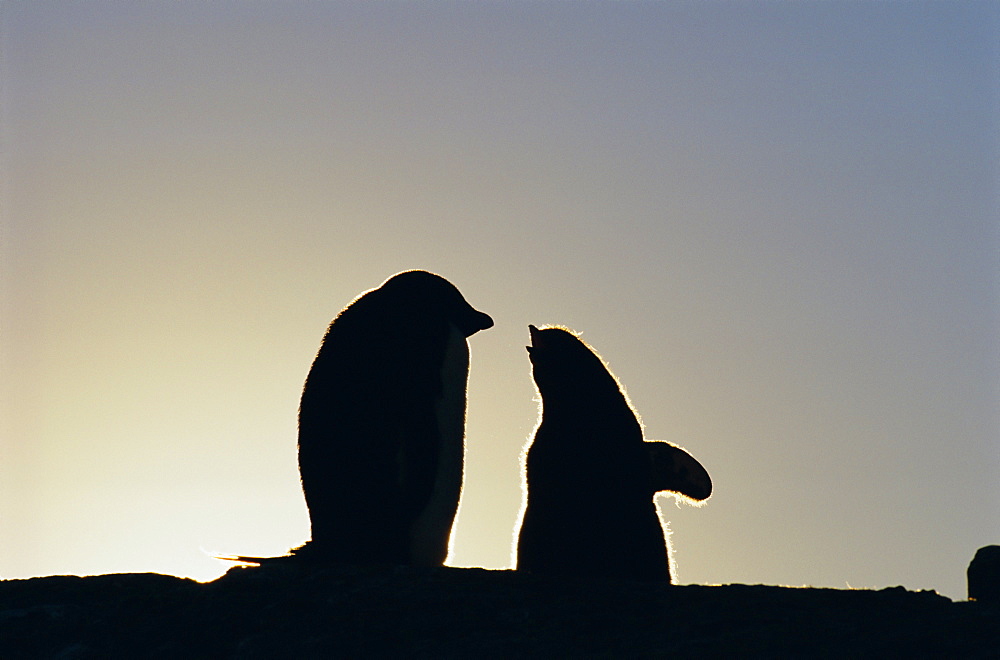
(562,364)
(434,296)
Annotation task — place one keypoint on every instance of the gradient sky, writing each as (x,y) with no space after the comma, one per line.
(776,221)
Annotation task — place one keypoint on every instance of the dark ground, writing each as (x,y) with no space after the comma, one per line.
(285,610)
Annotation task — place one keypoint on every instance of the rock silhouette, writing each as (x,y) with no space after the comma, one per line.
(983,575)
(591,477)
(303,610)
(382,423)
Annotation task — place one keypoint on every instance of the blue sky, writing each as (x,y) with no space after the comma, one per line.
(776,221)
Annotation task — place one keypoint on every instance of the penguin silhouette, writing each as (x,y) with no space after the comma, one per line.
(382,423)
(591,477)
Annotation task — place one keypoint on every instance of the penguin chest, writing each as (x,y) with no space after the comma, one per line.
(432,527)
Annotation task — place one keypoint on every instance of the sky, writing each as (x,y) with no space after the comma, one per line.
(776,221)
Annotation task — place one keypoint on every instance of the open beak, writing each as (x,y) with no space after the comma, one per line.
(535,337)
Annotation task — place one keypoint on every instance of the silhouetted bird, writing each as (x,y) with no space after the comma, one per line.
(591,477)
(382,423)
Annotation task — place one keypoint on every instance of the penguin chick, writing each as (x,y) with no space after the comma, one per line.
(591,477)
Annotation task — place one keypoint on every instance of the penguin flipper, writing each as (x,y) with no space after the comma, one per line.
(675,470)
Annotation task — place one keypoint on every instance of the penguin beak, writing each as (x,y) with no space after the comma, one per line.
(535,337)
(478,321)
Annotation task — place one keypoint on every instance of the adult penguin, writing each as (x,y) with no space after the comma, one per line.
(382,423)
